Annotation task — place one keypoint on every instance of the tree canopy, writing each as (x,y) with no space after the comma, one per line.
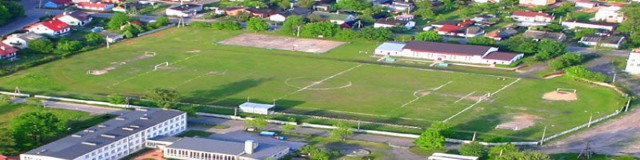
(342,131)
(481,40)
(41,46)
(325,29)
(9,11)
(433,137)
(472,149)
(353,4)
(94,39)
(291,24)
(632,23)
(164,98)
(432,36)
(35,128)
(377,34)
(118,19)
(257,24)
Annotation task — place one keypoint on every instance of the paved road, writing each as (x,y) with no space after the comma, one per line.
(94,110)
(608,52)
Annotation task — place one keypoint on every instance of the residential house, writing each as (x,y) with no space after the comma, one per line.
(234,11)
(586,24)
(21,40)
(76,18)
(112,37)
(388,23)
(602,41)
(7,52)
(185,10)
(400,6)
(461,28)
(94,6)
(529,18)
(203,148)
(52,4)
(334,17)
(536,2)
(261,12)
(539,35)
(322,7)
(62,3)
(484,20)
(282,15)
(448,52)
(52,28)
(633,63)
(119,9)
(501,34)
(586,4)
(609,14)
(405,17)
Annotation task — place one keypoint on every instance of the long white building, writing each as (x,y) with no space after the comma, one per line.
(211,149)
(448,52)
(633,63)
(113,139)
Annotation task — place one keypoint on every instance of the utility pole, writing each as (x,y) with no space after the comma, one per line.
(298,32)
(590,118)
(106,39)
(614,77)
(626,108)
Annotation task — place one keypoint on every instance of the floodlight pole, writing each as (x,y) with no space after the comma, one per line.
(590,118)
(298,32)
(626,108)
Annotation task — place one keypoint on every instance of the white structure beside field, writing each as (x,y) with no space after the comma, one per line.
(633,63)
(211,149)
(256,108)
(448,52)
(113,139)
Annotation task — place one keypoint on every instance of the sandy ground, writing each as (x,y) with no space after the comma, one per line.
(560,96)
(520,121)
(616,137)
(282,43)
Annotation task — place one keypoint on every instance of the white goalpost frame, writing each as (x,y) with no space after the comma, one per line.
(147,53)
(158,65)
(566,90)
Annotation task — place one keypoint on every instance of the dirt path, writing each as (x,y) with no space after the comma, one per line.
(616,137)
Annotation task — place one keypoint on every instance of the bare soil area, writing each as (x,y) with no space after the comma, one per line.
(282,43)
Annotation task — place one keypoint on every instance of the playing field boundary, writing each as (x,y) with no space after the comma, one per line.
(480,100)
(319,82)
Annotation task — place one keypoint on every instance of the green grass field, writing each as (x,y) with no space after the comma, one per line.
(10,111)
(341,82)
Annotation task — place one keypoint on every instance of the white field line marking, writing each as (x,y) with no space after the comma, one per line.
(465,109)
(418,96)
(147,72)
(480,100)
(461,98)
(319,82)
(505,87)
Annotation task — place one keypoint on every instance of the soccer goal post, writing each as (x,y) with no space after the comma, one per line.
(163,64)
(568,90)
(147,53)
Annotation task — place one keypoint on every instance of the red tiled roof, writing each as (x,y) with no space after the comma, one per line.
(449,28)
(54,25)
(530,14)
(465,23)
(92,5)
(6,49)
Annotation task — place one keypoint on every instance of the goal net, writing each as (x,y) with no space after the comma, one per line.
(159,66)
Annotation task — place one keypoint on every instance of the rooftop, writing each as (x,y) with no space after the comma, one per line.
(439,47)
(602,39)
(333,16)
(391,22)
(83,142)
(544,35)
(54,25)
(391,46)
(186,7)
(257,105)
(6,49)
(82,16)
(504,56)
(530,14)
(262,151)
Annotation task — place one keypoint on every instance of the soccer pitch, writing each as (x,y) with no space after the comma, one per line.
(205,72)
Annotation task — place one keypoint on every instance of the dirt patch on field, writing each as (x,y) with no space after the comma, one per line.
(560,96)
(519,121)
(282,43)
(115,65)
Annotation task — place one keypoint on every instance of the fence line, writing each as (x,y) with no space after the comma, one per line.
(581,126)
(156,30)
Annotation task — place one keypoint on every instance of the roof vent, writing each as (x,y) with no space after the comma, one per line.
(41,151)
(102,125)
(127,129)
(120,118)
(89,130)
(76,135)
(134,126)
(144,118)
(142,109)
(108,136)
(89,143)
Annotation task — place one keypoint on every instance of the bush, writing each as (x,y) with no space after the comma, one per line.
(583,72)
(566,60)
(472,149)
(346,34)
(117,99)
(200,24)
(226,25)
(377,34)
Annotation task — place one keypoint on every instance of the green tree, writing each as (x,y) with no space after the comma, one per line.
(68,46)
(632,22)
(548,49)
(226,25)
(566,60)
(432,36)
(286,128)
(424,9)
(520,44)
(563,9)
(472,149)
(94,39)
(33,129)
(325,29)
(9,11)
(583,72)
(497,152)
(254,4)
(318,153)
(353,4)
(258,122)
(342,131)
(481,40)
(117,99)
(579,16)
(430,139)
(118,19)
(257,24)
(377,34)
(7,143)
(346,34)
(161,21)
(584,32)
(283,4)
(291,24)
(41,46)
(306,3)
(164,98)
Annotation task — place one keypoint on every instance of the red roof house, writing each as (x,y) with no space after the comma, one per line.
(52,28)
(97,6)
(7,52)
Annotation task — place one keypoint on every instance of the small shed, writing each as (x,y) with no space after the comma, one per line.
(257,108)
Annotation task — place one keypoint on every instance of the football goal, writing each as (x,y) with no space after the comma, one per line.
(566,90)
(159,66)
